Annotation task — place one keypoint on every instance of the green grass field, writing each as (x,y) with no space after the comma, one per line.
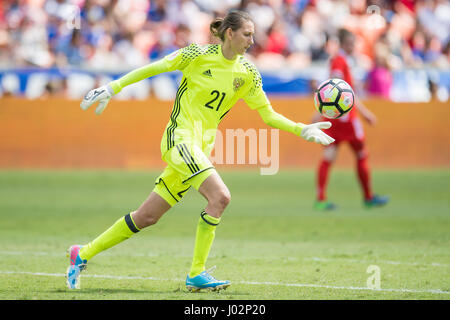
(271,244)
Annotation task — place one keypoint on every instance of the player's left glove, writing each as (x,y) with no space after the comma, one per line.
(313,133)
(101,95)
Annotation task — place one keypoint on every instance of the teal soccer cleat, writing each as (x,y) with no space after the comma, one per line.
(205,281)
(376,201)
(325,206)
(76,266)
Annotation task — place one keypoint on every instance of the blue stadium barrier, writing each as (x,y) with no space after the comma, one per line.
(408,85)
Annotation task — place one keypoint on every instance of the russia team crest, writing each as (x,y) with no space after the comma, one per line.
(237,83)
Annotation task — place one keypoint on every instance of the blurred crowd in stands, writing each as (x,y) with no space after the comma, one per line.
(120,35)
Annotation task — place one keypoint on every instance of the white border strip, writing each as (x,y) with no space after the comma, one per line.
(433,291)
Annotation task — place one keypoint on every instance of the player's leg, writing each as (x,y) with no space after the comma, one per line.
(194,169)
(362,168)
(363,173)
(216,193)
(121,230)
(218,196)
(148,213)
(328,157)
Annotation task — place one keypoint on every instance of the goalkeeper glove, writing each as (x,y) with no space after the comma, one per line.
(101,95)
(312,133)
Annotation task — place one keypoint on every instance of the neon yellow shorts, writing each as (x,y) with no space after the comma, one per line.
(187,166)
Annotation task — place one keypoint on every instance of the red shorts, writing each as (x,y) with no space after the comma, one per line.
(351,130)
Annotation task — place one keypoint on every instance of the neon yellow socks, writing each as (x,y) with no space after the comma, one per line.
(206,228)
(121,230)
(125,227)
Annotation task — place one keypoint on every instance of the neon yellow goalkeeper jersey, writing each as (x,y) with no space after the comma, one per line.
(210,86)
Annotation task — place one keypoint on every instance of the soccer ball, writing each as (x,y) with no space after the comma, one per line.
(334,98)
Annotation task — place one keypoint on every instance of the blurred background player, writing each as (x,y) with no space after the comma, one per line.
(349,129)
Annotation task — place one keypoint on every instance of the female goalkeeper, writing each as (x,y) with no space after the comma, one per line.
(215,77)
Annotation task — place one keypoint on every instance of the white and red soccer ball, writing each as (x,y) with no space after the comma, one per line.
(334,98)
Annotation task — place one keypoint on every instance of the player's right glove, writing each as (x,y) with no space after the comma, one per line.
(101,95)
(313,133)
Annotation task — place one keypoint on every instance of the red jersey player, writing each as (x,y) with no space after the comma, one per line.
(349,129)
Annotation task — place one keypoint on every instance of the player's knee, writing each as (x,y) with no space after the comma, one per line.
(144,219)
(150,220)
(222,198)
(362,154)
(329,153)
(226,198)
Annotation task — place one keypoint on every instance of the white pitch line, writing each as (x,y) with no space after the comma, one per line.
(433,291)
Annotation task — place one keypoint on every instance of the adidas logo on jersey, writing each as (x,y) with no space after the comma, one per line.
(207,73)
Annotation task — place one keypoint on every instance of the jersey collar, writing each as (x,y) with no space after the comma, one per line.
(225,60)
